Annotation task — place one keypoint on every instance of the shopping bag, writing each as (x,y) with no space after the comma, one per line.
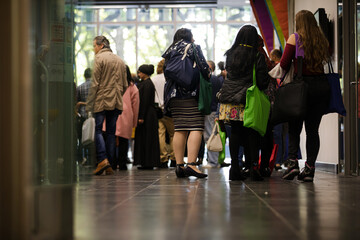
(214,143)
(88,131)
(221,157)
(257,108)
(336,103)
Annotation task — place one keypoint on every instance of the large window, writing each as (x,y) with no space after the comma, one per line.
(140,35)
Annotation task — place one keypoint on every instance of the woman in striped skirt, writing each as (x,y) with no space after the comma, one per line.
(182,105)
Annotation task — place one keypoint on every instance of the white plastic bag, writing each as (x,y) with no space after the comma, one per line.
(214,143)
(88,131)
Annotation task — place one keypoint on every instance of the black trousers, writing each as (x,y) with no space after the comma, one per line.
(317,102)
(122,151)
(249,139)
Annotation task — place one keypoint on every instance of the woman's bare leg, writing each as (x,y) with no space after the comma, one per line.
(193,146)
(179,142)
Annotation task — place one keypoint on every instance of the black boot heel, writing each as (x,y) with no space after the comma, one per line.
(191,172)
(180,171)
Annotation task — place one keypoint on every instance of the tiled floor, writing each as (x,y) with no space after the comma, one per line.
(137,204)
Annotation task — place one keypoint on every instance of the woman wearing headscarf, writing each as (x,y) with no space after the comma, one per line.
(147,149)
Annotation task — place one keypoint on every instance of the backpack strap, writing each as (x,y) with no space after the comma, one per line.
(185,53)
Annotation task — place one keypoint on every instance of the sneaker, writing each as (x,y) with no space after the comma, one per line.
(307,174)
(292,170)
(277,167)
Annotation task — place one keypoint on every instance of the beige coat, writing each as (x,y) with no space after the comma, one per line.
(108,82)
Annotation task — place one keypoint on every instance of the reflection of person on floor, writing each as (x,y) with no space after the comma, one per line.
(105,100)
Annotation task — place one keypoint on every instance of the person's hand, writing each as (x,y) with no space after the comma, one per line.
(141,121)
(216,119)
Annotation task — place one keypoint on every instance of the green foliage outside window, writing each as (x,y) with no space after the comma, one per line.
(141,36)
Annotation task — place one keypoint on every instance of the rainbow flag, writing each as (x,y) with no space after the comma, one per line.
(274,13)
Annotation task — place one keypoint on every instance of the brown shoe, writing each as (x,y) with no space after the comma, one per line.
(103,165)
(109,171)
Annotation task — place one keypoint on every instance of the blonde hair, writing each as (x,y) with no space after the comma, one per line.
(314,42)
(160,66)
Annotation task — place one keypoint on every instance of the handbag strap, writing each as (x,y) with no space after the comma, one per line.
(254,75)
(331,70)
(185,52)
(215,128)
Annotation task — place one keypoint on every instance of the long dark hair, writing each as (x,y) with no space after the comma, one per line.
(128,75)
(183,33)
(241,56)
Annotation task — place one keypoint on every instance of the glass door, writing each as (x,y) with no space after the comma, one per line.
(349,65)
(53,97)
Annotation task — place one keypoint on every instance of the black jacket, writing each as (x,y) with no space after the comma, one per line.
(235,85)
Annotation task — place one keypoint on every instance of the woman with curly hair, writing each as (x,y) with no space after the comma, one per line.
(309,39)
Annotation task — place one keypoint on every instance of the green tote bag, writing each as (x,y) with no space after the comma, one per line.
(257,108)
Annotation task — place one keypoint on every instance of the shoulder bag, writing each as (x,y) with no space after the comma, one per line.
(182,70)
(291,99)
(336,103)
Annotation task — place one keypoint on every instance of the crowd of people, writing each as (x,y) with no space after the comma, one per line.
(161,113)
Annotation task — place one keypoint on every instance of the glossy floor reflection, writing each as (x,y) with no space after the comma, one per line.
(138,204)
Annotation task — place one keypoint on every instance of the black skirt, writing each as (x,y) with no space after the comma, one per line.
(186,114)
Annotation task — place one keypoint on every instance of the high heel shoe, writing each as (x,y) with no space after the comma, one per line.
(235,174)
(180,171)
(191,172)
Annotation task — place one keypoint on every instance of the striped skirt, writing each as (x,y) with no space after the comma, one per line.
(186,114)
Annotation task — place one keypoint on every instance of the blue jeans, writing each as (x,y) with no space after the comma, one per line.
(106,149)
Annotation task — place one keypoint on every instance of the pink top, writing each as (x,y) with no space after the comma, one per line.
(129,116)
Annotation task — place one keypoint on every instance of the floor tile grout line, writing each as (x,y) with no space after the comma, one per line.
(278,215)
(129,198)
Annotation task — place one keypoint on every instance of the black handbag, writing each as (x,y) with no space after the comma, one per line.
(290,99)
